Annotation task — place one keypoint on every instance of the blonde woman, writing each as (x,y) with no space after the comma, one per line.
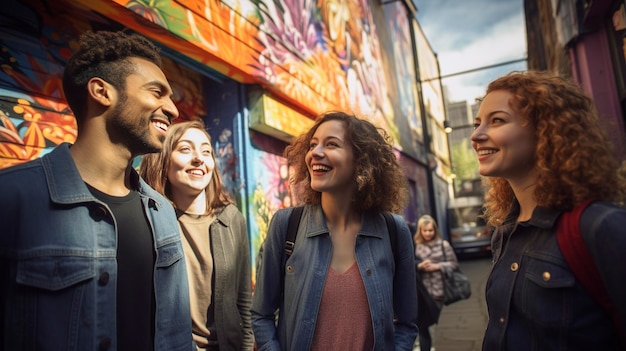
(433,255)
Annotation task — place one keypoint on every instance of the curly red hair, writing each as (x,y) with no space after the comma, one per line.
(574,158)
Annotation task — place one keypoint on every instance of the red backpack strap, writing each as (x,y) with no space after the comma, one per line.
(580,262)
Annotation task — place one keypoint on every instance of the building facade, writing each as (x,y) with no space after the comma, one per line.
(258,72)
(584,40)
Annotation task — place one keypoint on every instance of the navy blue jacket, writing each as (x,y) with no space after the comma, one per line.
(534,301)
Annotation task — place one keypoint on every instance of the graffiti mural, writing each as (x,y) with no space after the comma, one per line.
(29,130)
(34,116)
(320,55)
(269,192)
(402,74)
(310,55)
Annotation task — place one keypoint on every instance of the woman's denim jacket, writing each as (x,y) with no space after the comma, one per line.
(534,301)
(58,271)
(389,295)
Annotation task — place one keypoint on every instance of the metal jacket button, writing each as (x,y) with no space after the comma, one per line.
(104,279)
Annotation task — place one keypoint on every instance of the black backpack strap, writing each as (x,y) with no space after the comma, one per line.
(292,230)
(393,232)
(290,240)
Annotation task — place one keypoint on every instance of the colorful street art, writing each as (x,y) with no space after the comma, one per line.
(27,130)
(402,73)
(319,55)
(34,116)
(269,192)
(314,55)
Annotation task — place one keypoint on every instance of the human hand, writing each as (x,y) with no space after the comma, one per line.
(429,266)
(422,266)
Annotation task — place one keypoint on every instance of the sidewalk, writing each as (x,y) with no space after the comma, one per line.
(462,325)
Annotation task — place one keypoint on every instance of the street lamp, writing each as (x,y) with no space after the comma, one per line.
(447,127)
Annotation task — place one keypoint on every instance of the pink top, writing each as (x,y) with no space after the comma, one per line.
(344,321)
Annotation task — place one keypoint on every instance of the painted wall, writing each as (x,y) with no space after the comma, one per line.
(34,116)
(315,55)
(311,55)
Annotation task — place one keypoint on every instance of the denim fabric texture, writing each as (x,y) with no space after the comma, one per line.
(305,273)
(533,298)
(58,266)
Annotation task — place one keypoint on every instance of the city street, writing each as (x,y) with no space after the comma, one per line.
(461,325)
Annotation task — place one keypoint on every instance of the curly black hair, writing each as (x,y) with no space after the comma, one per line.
(103,54)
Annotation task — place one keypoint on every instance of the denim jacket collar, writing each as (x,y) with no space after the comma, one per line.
(66,185)
(316,224)
(64,182)
(544,217)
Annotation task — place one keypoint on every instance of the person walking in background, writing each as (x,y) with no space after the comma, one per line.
(89,254)
(543,153)
(214,237)
(432,255)
(342,288)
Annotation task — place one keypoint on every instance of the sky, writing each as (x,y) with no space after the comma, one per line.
(468,35)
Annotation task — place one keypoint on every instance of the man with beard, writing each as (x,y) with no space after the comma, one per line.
(90,255)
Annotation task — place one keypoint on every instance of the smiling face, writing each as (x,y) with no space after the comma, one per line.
(143,110)
(191,164)
(330,159)
(504,141)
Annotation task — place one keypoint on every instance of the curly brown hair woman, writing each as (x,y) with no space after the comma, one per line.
(343,287)
(381,185)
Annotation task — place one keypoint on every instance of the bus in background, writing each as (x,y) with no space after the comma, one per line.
(468,232)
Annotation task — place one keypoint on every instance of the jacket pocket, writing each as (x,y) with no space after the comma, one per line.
(54,273)
(546,292)
(169,254)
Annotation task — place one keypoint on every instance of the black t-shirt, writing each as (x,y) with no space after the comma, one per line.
(135,263)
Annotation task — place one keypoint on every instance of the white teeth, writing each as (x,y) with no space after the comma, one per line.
(196,172)
(161,125)
(320,168)
(486,152)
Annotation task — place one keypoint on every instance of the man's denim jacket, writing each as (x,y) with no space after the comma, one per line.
(389,295)
(58,271)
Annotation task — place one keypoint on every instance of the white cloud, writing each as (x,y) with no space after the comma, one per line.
(467,36)
(504,42)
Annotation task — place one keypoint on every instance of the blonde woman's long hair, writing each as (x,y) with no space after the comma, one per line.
(421,223)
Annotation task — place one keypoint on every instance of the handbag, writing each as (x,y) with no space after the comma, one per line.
(456,285)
